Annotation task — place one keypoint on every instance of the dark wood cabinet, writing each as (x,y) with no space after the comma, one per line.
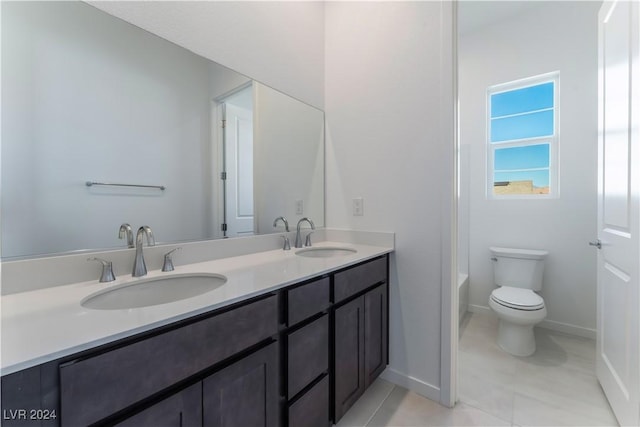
(183,409)
(131,373)
(308,355)
(300,357)
(244,394)
(307,300)
(375,333)
(357,279)
(348,355)
(311,409)
(360,346)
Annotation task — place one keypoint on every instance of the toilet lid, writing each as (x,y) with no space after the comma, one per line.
(521,299)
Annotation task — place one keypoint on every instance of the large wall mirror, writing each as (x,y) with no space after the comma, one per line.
(88,99)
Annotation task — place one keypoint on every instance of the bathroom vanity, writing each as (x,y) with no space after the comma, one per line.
(297,353)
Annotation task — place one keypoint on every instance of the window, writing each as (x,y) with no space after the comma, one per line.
(522,138)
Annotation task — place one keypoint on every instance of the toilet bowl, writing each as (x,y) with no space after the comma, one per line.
(518,274)
(515,330)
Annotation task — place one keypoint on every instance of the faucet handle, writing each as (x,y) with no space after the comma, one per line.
(286,244)
(168,262)
(107,269)
(307,241)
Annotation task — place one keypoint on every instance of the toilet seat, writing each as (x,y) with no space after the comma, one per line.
(517,298)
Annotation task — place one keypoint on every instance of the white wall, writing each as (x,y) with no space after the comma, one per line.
(90,98)
(387,141)
(225,81)
(464,208)
(280,44)
(554,36)
(288,159)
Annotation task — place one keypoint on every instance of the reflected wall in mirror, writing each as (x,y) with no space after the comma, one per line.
(89,97)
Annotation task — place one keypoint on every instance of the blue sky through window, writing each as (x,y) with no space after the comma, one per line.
(532,98)
(517,115)
(530,125)
(527,157)
(530,162)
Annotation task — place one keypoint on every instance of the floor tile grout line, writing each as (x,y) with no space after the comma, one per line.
(380,405)
(485,411)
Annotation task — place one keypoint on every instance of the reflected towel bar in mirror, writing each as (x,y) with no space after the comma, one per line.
(91,183)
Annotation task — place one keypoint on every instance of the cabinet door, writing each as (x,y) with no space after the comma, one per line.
(375,333)
(183,409)
(244,394)
(349,355)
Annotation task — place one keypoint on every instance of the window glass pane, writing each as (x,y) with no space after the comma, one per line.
(530,125)
(522,100)
(521,182)
(527,157)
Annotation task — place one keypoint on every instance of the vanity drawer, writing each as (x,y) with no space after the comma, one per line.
(312,409)
(98,386)
(356,279)
(308,355)
(307,300)
(181,409)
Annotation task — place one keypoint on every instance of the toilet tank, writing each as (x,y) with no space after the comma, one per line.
(518,268)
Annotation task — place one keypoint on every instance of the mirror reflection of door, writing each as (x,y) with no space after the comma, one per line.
(238,163)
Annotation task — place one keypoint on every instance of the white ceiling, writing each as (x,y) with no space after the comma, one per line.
(476,14)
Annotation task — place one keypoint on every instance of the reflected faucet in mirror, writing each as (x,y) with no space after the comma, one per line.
(284,220)
(308,239)
(125,229)
(139,266)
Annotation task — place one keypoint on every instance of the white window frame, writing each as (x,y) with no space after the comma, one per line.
(554,188)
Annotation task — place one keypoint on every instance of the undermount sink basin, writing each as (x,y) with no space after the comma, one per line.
(154,291)
(325,252)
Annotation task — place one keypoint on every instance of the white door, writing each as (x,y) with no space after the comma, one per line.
(618,355)
(239,170)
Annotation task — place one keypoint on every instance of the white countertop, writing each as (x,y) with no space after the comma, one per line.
(47,324)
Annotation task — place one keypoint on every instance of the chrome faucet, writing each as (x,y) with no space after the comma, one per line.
(139,267)
(283,219)
(298,238)
(125,229)
(286,245)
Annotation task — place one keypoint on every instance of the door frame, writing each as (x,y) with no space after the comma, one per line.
(218,159)
(449,211)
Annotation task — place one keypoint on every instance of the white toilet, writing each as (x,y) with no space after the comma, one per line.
(517,273)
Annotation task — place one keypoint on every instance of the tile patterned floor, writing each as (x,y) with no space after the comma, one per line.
(554,387)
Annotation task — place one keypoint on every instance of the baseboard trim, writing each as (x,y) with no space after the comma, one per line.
(478,308)
(565,328)
(418,386)
(569,329)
